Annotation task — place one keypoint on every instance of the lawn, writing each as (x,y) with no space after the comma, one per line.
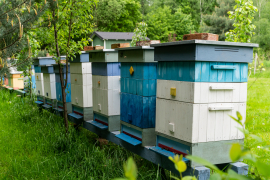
(33,144)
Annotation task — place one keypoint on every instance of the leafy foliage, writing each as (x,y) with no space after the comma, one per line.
(16,18)
(218,22)
(162,23)
(243,16)
(139,33)
(117,15)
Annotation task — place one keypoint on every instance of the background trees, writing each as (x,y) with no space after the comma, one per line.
(16,19)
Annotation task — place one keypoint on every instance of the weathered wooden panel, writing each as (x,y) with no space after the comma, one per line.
(39,76)
(138,110)
(106,69)
(142,87)
(86,113)
(81,95)
(200,50)
(136,54)
(81,68)
(140,70)
(106,82)
(203,71)
(59,96)
(37,69)
(47,69)
(57,78)
(202,92)
(106,102)
(18,83)
(64,69)
(112,122)
(49,77)
(81,79)
(40,88)
(198,122)
(120,45)
(49,90)
(103,56)
(136,135)
(216,152)
(80,58)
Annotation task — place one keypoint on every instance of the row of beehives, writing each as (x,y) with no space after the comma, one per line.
(187,95)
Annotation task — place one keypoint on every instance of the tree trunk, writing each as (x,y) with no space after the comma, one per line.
(30,82)
(63,88)
(61,75)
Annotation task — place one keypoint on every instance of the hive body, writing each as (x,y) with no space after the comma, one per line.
(200,85)
(138,95)
(106,88)
(81,88)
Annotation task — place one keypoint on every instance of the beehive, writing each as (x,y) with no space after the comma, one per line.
(81,88)
(41,92)
(138,95)
(49,86)
(59,97)
(106,88)
(200,83)
(16,79)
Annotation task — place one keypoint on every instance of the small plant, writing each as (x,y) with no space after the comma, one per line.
(242,16)
(130,170)
(139,33)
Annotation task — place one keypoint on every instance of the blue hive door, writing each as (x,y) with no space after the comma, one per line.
(138,110)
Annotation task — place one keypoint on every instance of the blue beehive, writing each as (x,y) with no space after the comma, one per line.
(138,94)
(59,107)
(200,83)
(106,88)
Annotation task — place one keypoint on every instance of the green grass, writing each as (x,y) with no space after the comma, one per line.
(258,111)
(35,146)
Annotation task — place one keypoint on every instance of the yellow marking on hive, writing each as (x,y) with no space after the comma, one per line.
(99,82)
(131,70)
(173,91)
(37,77)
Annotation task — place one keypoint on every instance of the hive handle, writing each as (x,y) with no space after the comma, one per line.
(223,67)
(221,88)
(221,108)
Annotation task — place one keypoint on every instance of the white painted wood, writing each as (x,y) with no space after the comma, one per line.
(49,77)
(50,90)
(39,76)
(81,79)
(106,82)
(81,68)
(197,92)
(81,95)
(40,88)
(108,100)
(198,122)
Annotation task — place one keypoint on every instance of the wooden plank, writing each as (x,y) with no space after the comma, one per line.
(98,47)
(88,48)
(120,45)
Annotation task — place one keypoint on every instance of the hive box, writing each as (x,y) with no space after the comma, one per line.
(49,86)
(200,85)
(202,50)
(16,78)
(59,107)
(138,94)
(106,89)
(81,88)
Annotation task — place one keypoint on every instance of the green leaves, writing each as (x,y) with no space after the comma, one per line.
(202,162)
(139,33)
(235,152)
(243,15)
(130,170)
